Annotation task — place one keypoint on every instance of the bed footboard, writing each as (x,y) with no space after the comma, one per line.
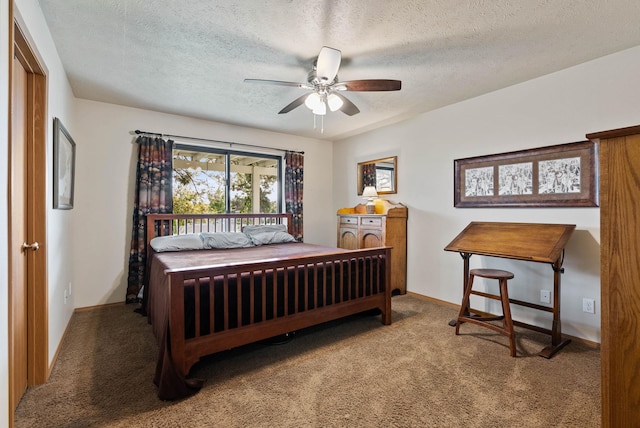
(215,310)
(200,305)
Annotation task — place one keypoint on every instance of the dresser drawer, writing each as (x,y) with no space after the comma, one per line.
(370,221)
(348,220)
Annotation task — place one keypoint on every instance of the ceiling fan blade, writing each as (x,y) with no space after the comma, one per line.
(347,107)
(371,85)
(327,64)
(293,104)
(279,83)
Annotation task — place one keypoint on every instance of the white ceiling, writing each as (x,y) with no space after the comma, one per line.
(190,57)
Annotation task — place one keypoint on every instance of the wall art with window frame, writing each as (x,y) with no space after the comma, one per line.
(564,175)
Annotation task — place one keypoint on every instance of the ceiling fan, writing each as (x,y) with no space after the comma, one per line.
(323,81)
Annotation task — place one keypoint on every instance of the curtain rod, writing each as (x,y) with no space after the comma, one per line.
(230,143)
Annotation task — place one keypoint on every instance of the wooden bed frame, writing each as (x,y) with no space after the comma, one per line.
(357,281)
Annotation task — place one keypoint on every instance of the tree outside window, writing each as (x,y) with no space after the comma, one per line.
(202,183)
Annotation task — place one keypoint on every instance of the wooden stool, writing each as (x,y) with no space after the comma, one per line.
(507,323)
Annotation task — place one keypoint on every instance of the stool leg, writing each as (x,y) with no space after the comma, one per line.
(508,322)
(465,304)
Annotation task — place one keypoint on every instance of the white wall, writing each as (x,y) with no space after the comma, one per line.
(60,263)
(555,109)
(105,177)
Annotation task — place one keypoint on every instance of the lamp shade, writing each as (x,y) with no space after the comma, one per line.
(369,192)
(320,109)
(313,101)
(334,102)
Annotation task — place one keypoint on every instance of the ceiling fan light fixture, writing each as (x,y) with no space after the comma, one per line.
(313,101)
(334,101)
(320,109)
(325,87)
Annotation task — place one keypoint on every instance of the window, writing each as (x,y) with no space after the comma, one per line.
(207,180)
(385,178)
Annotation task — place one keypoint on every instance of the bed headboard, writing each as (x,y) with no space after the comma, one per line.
(180,224)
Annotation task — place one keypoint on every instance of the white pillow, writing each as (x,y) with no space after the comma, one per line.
(268,234)
(226,240)
(271,238)
(261,228)
(191,241)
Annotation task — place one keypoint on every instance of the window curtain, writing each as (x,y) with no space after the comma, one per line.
(293,186)
(369,174)
(153,194)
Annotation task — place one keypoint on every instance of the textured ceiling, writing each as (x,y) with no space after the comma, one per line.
(190,57)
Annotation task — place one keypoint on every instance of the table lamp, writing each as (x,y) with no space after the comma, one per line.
(370,194)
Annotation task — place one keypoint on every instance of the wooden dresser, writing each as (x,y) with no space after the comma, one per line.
(387,227)
(619,274)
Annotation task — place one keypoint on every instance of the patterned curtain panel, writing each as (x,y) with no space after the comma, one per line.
(154,195)
(293,186)
(369,174)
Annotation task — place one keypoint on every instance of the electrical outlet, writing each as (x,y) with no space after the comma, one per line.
(588,306)
(545,296)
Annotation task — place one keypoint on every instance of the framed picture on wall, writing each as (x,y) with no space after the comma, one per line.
(64,161)
(565,175)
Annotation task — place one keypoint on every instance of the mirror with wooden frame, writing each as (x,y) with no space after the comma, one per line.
(381,173)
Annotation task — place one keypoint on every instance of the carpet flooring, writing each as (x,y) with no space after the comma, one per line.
(353,372)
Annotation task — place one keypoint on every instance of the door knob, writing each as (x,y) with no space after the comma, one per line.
(35,246)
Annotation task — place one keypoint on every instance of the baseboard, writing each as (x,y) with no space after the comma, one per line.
(64,334)
(91,308)
(55,355)
(589,343)
(434,300)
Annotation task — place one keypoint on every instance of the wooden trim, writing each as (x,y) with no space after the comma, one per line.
(615,133)
(93,308)
(11,396)
(25,54)
(434,300)
(589,343)
(59,348)
(66,329)
(36,152)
